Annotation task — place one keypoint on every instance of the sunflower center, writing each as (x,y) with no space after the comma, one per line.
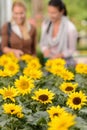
(69,88)
(34,65)
(24,85)
(5,62)
(55,114)
(76,100)
(43,97)
(9,93)
(12,110)
(11,68)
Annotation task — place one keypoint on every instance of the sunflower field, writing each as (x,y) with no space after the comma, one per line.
(33,97)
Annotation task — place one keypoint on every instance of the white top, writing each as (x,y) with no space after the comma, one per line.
(71,36)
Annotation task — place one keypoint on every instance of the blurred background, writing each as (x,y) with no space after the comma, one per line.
(37,10)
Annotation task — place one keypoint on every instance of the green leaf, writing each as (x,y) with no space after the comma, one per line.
(38,118)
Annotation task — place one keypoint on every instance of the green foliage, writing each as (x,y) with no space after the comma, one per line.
(77,12)
(35,115)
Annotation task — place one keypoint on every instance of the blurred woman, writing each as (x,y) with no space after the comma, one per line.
(18,36)
(59,35)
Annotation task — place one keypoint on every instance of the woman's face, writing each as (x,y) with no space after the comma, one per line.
(19,14)
(54,13)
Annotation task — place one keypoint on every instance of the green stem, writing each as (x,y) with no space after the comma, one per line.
(12,124)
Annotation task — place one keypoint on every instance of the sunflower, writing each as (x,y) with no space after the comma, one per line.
(68,87)
(56,111)
(12,56)
(59,62)
(20,115)
(24,85)
(4,60)
(26,71)
(85,70)
(5,73)
(57,70)
(12,67)
(81,68)
(34,64)
(9,93)
(56,62)
(27,58)
(33,73)
(63,122)
(67,75)
(76,100)
(49,64)
(13,109)
(43,95)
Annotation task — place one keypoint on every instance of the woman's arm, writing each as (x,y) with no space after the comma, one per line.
(72,41)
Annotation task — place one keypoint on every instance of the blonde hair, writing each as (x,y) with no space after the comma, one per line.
(20,3)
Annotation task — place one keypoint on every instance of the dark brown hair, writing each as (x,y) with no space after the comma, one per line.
(59,4)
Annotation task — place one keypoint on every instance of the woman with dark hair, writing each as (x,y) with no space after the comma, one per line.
(59,35)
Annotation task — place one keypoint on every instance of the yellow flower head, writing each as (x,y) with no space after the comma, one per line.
(9,93)
(33,73)
(81,68)
(68,87)
(49,63)
(34,64)
(13,109)
(56,62)
(4,60)
(57,70)
(5,73)
(67,75)
(20,115)
(56,111)
(24,85)
(27,58)
(59,62)
(63,122)
(12,57)
(76,100)
(43,95)
(12,67)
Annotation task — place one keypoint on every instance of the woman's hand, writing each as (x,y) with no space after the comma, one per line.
(46,53)
(18,53)
(58,56)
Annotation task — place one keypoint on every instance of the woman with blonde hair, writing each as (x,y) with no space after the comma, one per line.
(19,36)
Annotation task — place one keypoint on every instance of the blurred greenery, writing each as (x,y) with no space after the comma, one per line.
(77,11)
